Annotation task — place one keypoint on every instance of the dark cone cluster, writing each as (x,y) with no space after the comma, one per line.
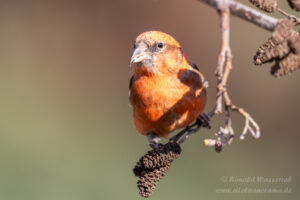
(294,43)
(295,4)
(286,65)
(283,31)
(269,51)
(266,5)
(154,165)
(283,48)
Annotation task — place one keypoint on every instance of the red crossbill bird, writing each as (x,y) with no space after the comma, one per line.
(166,91)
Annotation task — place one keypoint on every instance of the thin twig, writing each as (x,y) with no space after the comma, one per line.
(225,134)
(221,61)
(244,12)
(290,16)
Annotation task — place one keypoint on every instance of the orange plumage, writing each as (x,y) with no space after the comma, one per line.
(166,92)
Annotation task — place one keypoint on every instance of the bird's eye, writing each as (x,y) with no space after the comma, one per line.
(134,46)
(160,45)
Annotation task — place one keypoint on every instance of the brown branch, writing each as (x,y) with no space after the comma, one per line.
(225,134)
(225,48)
(244,12)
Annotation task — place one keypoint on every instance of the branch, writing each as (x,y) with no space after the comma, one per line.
(244,12)
(225,134)
(289,16)
(225,52)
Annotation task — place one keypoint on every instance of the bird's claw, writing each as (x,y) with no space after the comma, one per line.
(154,145)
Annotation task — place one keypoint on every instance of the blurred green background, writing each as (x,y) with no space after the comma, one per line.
(65,124)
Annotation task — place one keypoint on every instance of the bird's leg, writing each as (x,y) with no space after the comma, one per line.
(203,120)
(190,130)
(153,140)
(176,137)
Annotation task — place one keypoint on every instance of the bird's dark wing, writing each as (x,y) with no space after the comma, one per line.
(131,81)
(193,77)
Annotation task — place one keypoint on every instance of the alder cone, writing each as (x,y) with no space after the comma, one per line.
(154,165)
(294,42)
(286,65)
(295,4)
(283,30)
(269,51)
(266,5)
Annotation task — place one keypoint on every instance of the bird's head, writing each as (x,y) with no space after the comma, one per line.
(156,53)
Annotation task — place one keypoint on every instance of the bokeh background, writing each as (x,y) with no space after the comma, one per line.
(65,123)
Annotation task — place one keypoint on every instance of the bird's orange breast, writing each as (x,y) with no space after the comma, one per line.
(164,103)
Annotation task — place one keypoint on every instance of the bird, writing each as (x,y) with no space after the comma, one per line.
(167,92)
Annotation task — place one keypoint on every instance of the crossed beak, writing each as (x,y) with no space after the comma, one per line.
(141,55)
